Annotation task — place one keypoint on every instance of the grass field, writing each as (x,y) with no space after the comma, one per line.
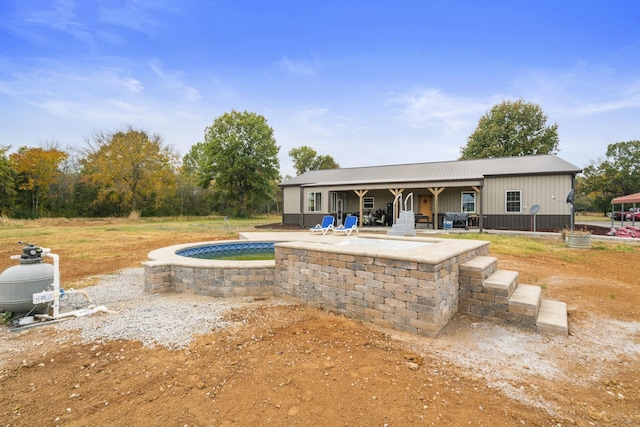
(105,245)
(100,246)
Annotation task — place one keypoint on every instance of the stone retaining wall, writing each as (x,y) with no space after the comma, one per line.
(229,281)
(413,296)
(413,290)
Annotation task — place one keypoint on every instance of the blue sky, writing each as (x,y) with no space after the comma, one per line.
(367,82)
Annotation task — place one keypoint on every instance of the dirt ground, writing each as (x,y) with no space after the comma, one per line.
(291,365)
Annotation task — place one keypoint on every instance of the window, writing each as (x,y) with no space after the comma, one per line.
(367,202)
(513,201)
(468,201)
(314,202)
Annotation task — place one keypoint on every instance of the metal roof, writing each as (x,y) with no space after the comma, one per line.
(629,198)
(437,171)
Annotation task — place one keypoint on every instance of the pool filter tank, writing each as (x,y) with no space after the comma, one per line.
(20,282)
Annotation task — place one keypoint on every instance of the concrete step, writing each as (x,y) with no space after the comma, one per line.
(501,283)
(402,230)
(479,267)
(552,317)
(525,301)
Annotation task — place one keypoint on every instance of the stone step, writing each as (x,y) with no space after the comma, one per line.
(501,283)
(552,317)
(479,267)
(525,301)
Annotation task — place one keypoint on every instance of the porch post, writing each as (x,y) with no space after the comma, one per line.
(301,207)
(361,194)
(395,192)
(478,191)
(436,192)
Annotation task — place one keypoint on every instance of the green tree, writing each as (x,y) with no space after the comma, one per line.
(196,162)
(7,182)
(62,199)
(38,169)
(130,168)
(515,128)
(307,159)
(582,202)
(616,175)
(240,160)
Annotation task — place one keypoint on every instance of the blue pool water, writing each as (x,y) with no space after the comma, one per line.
(239,251)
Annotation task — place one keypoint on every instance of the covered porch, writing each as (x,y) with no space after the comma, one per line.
(379,205)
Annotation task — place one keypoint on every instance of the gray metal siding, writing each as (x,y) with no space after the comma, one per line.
(291,218)
(525,222)
(291,200)
(535,190)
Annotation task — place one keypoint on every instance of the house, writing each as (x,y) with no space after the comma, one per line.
(497,193)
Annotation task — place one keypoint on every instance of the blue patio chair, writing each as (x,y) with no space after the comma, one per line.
(350,225)
(327,224)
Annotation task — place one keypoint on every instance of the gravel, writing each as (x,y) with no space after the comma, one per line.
(509,359)
(512,360)
(168,320)
(171,320)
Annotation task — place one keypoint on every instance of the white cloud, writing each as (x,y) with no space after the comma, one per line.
(71,83)
(134,15)
(63,99)
(113,79)
(173,82)
(581,91)
(85,21)
(299,67)
(430,108)
(313,120)
(31,23)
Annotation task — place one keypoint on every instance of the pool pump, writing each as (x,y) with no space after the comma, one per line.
(30,254)
(32,288)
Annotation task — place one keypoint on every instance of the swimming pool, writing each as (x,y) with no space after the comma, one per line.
(409,284)
(235,251)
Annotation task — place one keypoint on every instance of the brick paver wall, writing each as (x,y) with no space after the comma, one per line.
(214,282)
(416,297)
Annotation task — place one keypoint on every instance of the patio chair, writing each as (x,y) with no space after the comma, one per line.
(350,225)
(327,224)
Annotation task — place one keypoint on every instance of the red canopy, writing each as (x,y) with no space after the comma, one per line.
(629,198)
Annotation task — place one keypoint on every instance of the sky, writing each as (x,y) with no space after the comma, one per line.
(367,82)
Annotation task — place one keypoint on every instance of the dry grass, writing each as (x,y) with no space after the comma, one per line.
(101,246)
(4,220)
(89,247)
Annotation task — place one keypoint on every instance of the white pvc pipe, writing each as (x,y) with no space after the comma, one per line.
(56,280)
(56,294)
(87,312)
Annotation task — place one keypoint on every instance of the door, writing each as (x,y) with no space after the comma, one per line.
(425,206)
(339,205)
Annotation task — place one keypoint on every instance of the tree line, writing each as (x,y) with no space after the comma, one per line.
(235,169)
